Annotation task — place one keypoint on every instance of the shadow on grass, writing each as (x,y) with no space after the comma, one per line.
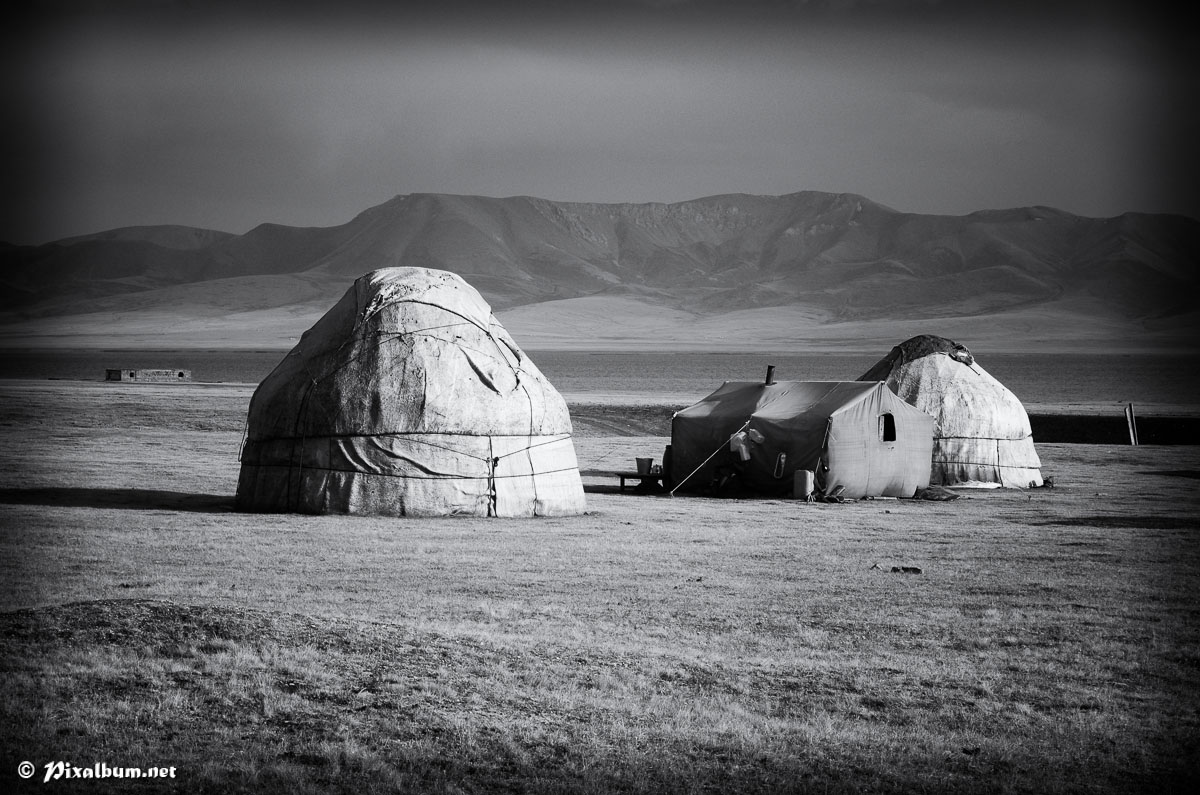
(643,489)
(1139,522)
(133,499)
(1194,474)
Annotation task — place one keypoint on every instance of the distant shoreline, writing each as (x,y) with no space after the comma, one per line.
(649,414)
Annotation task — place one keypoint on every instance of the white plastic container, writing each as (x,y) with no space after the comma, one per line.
(803,483)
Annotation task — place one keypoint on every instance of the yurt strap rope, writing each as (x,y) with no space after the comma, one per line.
(369,312)
(458,451)
(529,447)
(312,382)
(992,464)
(422,330)
(245,431)
(492,495)
(491,476)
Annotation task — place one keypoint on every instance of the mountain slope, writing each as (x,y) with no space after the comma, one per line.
(732,269)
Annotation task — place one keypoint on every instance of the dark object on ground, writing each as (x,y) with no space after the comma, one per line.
(906,570)
(647,482)
(835,495)
(935,493)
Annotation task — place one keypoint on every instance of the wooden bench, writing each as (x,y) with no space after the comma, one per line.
(641,477)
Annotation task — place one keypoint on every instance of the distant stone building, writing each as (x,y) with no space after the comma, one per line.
(149,376)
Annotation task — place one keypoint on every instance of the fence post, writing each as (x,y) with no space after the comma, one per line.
(1131,421)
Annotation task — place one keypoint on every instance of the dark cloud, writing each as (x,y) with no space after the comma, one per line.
(230,115)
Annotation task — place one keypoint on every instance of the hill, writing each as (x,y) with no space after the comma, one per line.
(794,272)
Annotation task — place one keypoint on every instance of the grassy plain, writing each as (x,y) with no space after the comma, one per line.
(1050,643)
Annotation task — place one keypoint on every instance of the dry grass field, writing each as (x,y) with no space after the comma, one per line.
(1050,642)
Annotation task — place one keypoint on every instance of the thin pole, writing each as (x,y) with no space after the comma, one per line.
(710,458)
(1131,421)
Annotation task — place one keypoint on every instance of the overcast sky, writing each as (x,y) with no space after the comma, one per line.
(160,112)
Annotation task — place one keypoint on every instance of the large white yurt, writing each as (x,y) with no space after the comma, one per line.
(408,398)
(981,431)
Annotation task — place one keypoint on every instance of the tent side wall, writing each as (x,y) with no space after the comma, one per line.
(787,447)
(694,440)
(829,429)
(869,455)
(703,429)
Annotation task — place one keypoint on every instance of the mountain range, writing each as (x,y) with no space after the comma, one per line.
(803,271)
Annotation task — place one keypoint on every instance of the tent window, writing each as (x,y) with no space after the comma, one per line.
(887,428)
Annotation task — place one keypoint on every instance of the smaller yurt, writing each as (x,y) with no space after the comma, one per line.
(856,439)
(981,433)
(408,398)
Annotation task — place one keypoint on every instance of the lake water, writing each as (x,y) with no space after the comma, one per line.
(1034,378)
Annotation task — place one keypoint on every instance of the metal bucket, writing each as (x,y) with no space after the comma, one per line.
(643,465)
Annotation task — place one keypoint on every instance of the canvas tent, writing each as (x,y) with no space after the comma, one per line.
(855,435)
(982,433)
(409,398)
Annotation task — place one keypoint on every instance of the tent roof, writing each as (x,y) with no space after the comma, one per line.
(780,400)
(915,348)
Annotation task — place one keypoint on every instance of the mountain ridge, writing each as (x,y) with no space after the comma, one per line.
(838,262)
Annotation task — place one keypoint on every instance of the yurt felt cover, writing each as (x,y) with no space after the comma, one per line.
(834,429)
(409,398)
(982,433)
